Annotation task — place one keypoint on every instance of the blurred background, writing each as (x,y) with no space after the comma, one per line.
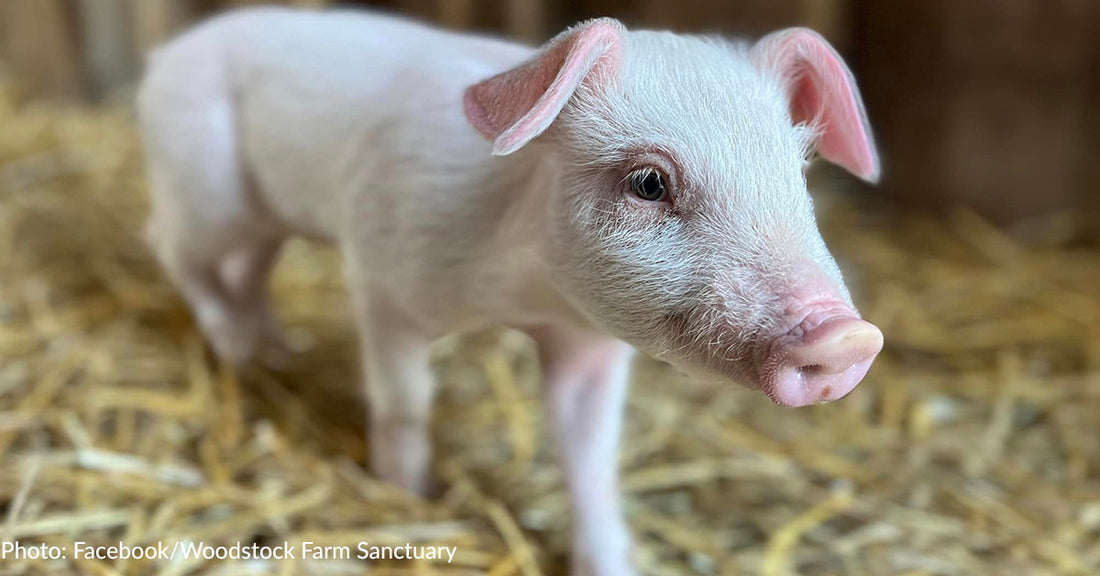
(973,447)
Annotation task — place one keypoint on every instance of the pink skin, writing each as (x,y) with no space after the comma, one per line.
(824,90)
(822,358)
(513,107)
(817,351)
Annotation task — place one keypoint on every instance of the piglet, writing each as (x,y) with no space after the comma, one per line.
(612,190)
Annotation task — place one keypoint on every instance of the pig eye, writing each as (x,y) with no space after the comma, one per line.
(648,184)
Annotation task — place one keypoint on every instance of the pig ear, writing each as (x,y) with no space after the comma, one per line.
(822,93)
(515,106)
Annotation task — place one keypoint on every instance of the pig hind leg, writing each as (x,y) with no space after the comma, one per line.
(209,236)
(243,274)
(400,386)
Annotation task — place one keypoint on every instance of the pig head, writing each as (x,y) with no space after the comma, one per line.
(679,219)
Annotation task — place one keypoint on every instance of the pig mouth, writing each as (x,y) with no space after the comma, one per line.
(816,353)
(821,358)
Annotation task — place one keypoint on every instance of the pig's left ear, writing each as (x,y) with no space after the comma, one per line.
(822,93)
(515,106)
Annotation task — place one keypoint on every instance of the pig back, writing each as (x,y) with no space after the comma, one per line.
(345,103)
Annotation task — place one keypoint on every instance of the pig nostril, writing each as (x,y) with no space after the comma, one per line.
(811,369)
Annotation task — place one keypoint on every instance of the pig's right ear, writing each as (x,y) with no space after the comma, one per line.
(514,107)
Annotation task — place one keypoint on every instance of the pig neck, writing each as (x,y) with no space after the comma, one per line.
(516,258)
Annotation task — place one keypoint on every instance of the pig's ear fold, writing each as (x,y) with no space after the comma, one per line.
(514,107)
(822,93)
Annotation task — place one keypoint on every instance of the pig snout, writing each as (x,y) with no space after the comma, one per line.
(821,358)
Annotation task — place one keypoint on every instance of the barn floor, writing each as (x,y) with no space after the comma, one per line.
(972,449)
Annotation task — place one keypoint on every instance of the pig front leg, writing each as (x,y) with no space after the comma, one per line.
(400,389)
(586,380)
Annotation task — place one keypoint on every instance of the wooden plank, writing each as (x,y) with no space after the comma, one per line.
(107,44)
(155,21)
(456,14)
(831,18)
(40,41)
(951,92)
(526,20)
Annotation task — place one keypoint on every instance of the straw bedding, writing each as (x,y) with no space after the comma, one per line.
(972,448)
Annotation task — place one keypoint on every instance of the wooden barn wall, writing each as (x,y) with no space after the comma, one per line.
(989,103)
